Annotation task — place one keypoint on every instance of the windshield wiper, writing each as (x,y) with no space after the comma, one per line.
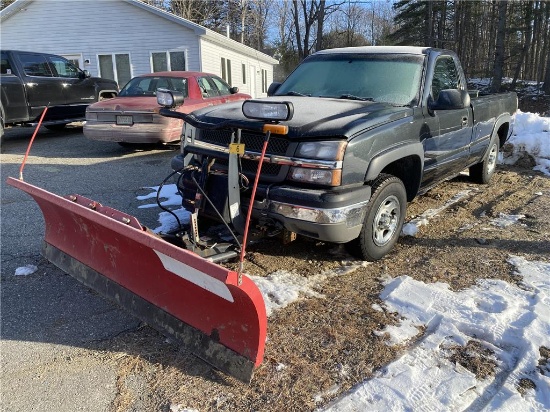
(293,93)
(353,97)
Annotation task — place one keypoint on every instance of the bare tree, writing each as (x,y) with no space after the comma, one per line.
(498,68)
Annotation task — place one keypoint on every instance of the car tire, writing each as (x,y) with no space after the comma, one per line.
(383,221)
(483,171)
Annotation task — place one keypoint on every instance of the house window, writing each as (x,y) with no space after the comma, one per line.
(168,61)
(264,81)
(226,70)
(243,69)
(115,67)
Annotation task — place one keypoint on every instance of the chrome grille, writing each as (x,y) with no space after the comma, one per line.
(252,141)
(251,166)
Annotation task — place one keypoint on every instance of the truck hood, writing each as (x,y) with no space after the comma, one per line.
(316,117)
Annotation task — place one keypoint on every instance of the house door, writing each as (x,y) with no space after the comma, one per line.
(253,81)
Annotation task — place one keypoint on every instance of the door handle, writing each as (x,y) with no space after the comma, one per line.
(464,121)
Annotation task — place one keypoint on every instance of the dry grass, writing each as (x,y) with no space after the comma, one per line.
(318,348)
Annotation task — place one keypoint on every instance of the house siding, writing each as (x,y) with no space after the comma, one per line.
(86,29)
(212,53)
(90,28)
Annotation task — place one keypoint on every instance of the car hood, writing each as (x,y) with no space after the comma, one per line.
(130,103)
(315,116)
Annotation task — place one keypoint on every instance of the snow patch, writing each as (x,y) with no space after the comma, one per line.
(25,270)
(511,321)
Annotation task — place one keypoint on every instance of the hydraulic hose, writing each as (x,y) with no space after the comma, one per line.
(251,204)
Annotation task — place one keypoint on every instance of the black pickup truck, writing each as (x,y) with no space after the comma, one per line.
(364,130)
(31,81)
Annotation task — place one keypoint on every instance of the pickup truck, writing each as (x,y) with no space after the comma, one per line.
(31,81)
(364,131)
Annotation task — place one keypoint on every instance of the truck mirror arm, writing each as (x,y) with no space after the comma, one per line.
(193,121)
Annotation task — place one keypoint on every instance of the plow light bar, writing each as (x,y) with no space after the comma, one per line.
(169,98)
(268,111)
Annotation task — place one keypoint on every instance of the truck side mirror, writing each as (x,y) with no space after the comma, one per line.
(451,99)
(84,74)
(273,88)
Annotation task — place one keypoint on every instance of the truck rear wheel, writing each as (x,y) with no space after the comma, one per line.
(484,170)
(384,218)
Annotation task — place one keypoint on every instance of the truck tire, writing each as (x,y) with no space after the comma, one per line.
(484,170)
(384,218)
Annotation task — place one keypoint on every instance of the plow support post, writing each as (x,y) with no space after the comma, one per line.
(198,303)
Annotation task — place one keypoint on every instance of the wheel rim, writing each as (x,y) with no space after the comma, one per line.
(492,159)
(386,220)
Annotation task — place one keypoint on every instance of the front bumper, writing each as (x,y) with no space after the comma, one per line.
(327,215)
(331,215)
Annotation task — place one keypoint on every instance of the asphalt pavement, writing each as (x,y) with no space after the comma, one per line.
(52,327)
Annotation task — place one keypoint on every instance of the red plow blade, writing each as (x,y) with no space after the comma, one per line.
(199,303)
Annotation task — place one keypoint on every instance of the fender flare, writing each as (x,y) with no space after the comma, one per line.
(382,159)
(502,119)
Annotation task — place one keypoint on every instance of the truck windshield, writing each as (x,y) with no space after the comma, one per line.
(389,78)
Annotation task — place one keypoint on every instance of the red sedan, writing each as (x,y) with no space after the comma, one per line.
(133,116)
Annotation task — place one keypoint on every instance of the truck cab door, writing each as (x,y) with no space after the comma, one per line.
(447,149)
(42,87)
(14,101)
(78,89)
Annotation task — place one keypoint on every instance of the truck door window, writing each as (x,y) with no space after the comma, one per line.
(5,66)
(35,65)
(445,76)
(64,68)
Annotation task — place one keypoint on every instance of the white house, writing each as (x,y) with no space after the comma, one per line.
(120,39)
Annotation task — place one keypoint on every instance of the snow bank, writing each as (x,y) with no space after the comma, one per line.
(531,134)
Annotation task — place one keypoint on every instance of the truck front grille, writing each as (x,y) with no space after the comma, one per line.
(250,166)
(252,141)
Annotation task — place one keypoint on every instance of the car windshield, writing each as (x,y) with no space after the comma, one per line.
(389,78)
(148,85)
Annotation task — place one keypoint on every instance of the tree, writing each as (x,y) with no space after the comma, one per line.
(5,3)
(498,68)
(493,39)
(309,17)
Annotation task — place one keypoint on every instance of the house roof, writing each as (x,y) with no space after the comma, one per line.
(199,30)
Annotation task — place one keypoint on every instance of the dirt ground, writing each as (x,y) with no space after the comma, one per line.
(318,348)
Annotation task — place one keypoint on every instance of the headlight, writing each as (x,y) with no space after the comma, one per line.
(330,177)
(169,98)
(268,111)
(327,150)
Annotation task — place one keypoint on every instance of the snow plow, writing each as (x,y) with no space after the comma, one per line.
(172,281)
(217,314)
